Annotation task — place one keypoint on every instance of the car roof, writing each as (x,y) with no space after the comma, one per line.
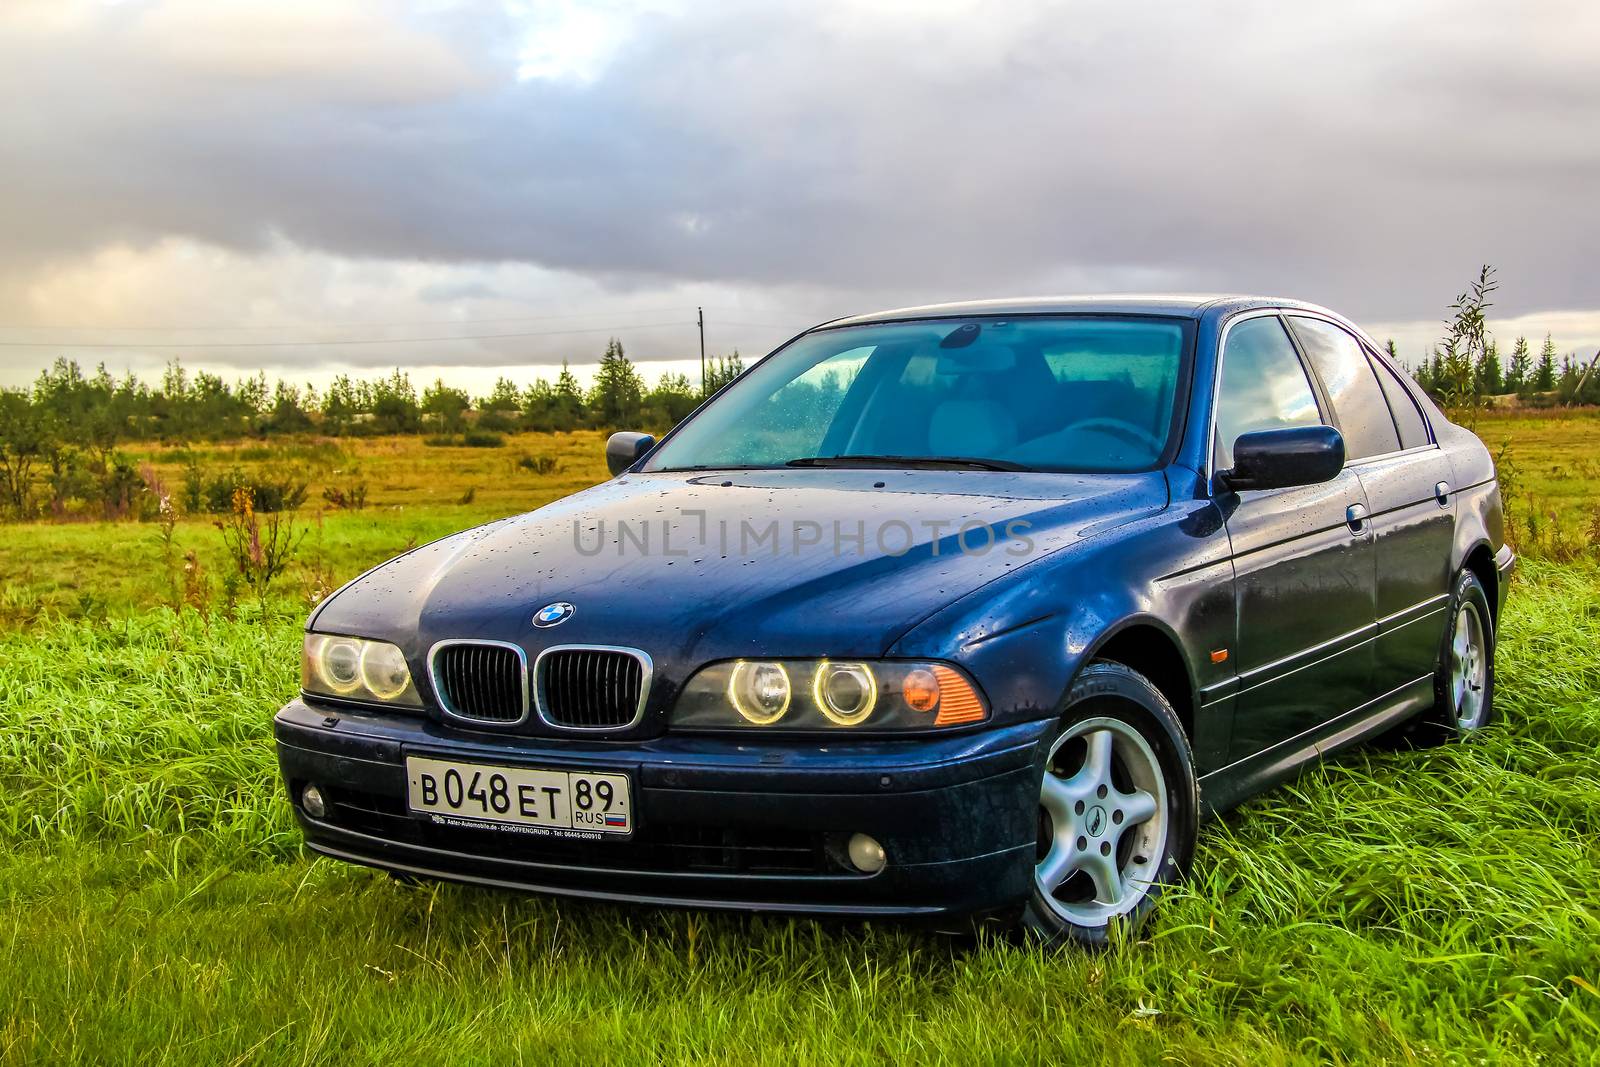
(1187,305)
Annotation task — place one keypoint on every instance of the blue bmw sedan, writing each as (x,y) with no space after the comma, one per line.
(972,609)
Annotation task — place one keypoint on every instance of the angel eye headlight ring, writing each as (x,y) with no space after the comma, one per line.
(759,691)
(384,680)
(846,693)
(338,664)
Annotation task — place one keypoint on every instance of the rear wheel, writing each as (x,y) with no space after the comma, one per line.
(1463,684)
(1118,809)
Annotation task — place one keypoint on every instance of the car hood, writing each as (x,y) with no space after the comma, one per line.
(696,567)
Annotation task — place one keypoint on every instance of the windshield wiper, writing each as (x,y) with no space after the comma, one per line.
(914,462)
(713,467)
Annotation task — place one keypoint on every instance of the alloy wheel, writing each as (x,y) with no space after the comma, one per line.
(1103,822)
(1469,668)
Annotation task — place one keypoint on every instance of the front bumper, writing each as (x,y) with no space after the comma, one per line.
(1505,564)
(751,824)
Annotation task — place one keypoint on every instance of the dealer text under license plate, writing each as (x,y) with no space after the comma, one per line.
(519,799)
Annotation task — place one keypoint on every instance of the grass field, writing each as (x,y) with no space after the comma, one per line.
(155,906)
(416,493)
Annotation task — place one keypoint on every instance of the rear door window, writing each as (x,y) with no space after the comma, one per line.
(1358,401)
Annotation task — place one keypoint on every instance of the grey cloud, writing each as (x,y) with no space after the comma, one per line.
(1359,155)
(449,292)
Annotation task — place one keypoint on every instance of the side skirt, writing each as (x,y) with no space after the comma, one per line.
(1232,785)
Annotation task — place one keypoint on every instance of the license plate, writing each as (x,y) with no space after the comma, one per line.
(526,800)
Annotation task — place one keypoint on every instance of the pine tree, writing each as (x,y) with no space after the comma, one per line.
(393,403)
(618,393)
(722,370)
(670,401)
(1393,353)
(498,411)
(1487,379)
(340,405)
(1436,372)
(447,406)
(1567,379)
(570,407)
(502,398)
(288,414)
(1419,374)
(1544,378)
(1519,374)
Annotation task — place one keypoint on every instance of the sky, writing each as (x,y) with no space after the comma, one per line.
(468,189)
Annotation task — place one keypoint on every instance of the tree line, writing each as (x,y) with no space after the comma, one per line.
(66,429)
(1492,374)
(1465,368)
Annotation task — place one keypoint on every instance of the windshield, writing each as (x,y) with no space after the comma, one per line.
(1058,393)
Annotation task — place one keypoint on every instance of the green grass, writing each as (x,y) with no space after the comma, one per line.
(156,906)
(416,494)
(1550,464)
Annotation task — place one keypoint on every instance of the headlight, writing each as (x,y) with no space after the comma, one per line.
(356,669)
(759,691)
(834,695)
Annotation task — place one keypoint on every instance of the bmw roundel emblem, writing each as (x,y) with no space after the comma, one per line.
(553,614)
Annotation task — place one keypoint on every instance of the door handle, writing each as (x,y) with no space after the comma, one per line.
(1441,493)
(1355,517)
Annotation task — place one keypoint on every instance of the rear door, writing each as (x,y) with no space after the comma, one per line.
(1406,478)
(1303,556)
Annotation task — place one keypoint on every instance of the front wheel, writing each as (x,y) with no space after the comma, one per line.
(1118,809)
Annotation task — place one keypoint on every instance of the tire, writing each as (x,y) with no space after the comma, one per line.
(1118,810)
(1463,681)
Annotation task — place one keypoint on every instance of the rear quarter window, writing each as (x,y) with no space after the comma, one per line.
(1407,418)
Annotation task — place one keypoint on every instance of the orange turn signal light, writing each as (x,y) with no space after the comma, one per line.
(958,703)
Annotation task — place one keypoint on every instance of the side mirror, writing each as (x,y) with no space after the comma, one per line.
(624,449)
(1277,459)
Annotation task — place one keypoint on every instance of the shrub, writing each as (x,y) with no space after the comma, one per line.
(498,421)
(259,550)
(120,487)
(267,492)
(194,487)
(469,439)
(539,464)
(352,497)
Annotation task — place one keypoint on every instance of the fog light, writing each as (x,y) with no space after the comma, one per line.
(316,806)
(866,854)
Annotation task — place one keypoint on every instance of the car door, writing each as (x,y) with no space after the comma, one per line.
(1303,556)
(1407,481)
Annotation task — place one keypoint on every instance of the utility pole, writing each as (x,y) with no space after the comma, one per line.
(1576,392)
(700,316)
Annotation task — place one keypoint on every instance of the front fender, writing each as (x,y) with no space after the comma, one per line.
(1026,637)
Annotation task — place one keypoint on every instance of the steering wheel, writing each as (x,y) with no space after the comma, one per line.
(1122,428)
